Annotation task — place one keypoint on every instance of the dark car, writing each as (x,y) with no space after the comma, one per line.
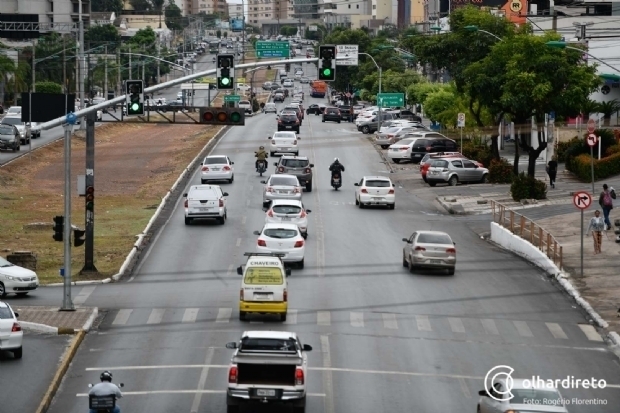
(9,137)
(346,112)
(297,110)
(315,109)
(430,142)
(285,92)
(332,114)
(278,96)
(409,115)
(288,121)
(275,86)
(299,166)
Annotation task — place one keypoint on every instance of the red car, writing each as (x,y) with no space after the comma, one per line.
(425,163)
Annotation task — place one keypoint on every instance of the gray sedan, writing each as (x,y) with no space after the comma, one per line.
(429,249)
(281,186)
(9,138)
(452,171)
(393,135)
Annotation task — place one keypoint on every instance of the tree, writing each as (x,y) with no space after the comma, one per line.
(173,16)
(608,109)
(107,33)
(218,33)
(158,6)
(115,6)
(48,87)
(144,42)
(438,102)
(225,35)
(141,6)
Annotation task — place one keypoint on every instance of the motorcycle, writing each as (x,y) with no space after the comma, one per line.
(261,167)
(336,181)
(102,404)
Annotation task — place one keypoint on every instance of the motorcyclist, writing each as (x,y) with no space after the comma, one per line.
(261,155)
(106,388)
(336,167)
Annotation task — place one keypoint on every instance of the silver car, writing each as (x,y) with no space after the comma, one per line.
(394,134)
(429,249)
(281,186)
(525,398)
(452,171)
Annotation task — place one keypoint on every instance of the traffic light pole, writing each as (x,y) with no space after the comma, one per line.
(89,227)
(67,302)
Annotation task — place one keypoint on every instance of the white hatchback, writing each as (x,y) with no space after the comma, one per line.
(288,211)
(16,279)
(11,334)
(401,150)
(375,190)
(282,239)
(283,142)
(217,168)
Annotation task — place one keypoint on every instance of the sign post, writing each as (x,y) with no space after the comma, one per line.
(592,139)
(582,200)
(461,124)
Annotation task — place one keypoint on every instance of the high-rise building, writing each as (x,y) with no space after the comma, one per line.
(49,11)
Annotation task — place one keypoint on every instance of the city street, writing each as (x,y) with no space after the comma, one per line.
(384,339)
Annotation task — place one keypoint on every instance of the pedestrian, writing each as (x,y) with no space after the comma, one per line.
(605,200)
(597,225)
(552,170)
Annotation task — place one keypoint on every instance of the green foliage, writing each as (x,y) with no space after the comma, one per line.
(578,146)
(391,81)
(255,105)
(612,150)
(563,148)
(500,171)
(603,168)
(218,33)
(418,92)
(48,87)
(527,187)
(173,16)
(225,34)
(480,153)
(107,33)
(288,30)
(437,102)
(144,43)
(115,6)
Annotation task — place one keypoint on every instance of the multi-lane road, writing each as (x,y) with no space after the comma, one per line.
(384,339)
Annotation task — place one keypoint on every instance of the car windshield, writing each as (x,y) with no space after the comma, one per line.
(286,209)
(281,135)
(12,121)
(536,397)
(6,130)
(283,181)
(216,160)
(406,142)
(4,263)
(434,239)
(294,163)
(244,102)
(5,313)
(264,276)
(267,344)
(280,233)
(439,163)
(378,183)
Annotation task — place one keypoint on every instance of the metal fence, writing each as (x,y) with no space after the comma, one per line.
(528,230)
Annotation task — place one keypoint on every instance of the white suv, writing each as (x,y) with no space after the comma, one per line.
(205,202)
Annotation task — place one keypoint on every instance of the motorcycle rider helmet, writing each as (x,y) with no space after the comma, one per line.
(336,160)
(262,147)
(106,376)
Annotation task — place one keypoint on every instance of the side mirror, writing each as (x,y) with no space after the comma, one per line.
(201,163)
(287,271)
(232,163)
(406,240)
(16,315)
(232,345)
(256,232)
(121,385)
(269,137)
(185,195)
(225,194)
(275,164)
(454,243)
(311,165)
(263,182)
(308,211)
(240,270)
(483,393)
(307,347)
(356,184)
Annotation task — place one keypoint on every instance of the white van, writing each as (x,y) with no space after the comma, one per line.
(205,202)
(283,142)
(264,285)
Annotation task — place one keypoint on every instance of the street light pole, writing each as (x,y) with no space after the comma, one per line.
(380,76)
(81,64)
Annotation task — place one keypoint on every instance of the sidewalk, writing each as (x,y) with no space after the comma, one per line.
(51,320)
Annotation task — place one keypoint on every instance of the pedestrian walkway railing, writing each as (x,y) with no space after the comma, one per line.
(528,230)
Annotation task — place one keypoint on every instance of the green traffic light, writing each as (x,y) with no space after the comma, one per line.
(327,72)
(225,81)
(235,117)
(135,107)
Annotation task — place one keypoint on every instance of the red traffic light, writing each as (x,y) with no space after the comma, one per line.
(208,117)
(90,194)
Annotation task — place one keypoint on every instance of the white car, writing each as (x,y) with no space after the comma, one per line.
(281,186)
(375,190)
(243,87)
(283,142)
(217,168)
(205,202)
(11,334)
(288,83)
(288,211)
(282,239)
(401,150)
(270,107)
(16,279)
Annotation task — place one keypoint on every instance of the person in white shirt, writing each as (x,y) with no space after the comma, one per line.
(597,226)
(106,388)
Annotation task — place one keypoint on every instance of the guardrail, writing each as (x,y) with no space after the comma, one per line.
(528,230)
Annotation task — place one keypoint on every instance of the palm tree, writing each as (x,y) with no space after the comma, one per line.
(20,74)
(589,107)
(608,109)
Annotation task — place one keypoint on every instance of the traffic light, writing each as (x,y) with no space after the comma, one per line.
(90,199)
(287,67)
(134,95)
(59,227)
(222,116)
(327,69)
(78,237)
(225,71)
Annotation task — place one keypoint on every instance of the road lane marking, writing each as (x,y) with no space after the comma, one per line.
(423,323)
(590,332)
(190,315)
(243,219)
(121,317)
(157,314)
(357,319)
(85,292)
(238,242)
(464,388)
(231,267)
(556,331)
(223,315)
(490,327)
(523,329)
(389,321)
(291,317)
(202,381)
(151,392)
(323,318)
(328,386)
(456,324)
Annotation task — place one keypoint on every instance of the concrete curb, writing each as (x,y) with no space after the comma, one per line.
(45,329)
(384,159)
(89,323)
(60,372)
(38,328)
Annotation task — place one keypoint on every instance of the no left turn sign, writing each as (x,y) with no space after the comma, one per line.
(592,140)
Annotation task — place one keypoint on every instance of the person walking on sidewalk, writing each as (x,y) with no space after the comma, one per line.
(605,200)
(552,170)
(597,225)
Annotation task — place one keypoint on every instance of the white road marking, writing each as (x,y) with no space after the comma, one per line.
(157,314)
(327,375)
(423,323)
(556,331)
(323,318)
(190,315)
(223,315)
(231,267)
(238,242)
(464,388)
(590,332)
(389,321)
(456,325)
(85,292)
(121,317)
(357,319)
(489,327)
(523,328)
(151,392)
(202,381)
(243,219)
(291,317)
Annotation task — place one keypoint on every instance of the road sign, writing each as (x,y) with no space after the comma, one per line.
(232,98)
(591,125)
(273,49)
(582,200)
(592,140)
(347,55)
(391,99)
(461,120)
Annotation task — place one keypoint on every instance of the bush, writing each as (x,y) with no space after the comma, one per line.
(480,153)
(612,150)
(603,168)
(527,187)
(500,172)
(255,105)
(564,147)
(48,87)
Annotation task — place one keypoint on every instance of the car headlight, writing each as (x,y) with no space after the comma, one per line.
(22,133)
(11,278)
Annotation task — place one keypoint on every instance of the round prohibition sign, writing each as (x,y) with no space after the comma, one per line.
(592,140)
(582,200)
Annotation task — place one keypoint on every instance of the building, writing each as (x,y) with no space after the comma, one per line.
(403,13)
(262,11)
(418,11)
(219,7)
(50,11)
(102,18)
(235,10)
(382,10)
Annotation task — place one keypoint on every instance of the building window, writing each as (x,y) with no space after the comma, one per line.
(358,6)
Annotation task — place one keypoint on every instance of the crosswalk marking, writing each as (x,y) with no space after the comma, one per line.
(590,332)
(556,331)
(323,318)
(122,317)
(389,321)
(223,315)
(291,317)
(157,314)
(423,323)
(357,319)
(190,315)
(490,327)
(456,325)
(523,328)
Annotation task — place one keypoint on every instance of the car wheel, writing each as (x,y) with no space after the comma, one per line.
(297,131)
(242,316)
(223,219)
(338,121)
(432,183)
(365,129)
(309,187)
(300,264)
(323,120)
(357,202)
(271,153)
(282,317)
(424,178)
(21,294)
(231,180)
(411,266)
(203,181)
(15,149)
(2,290)
(451,271)
(361,205)
(17,353)
(188,221)
(405,263)
(453,180)
(396,160)
(485,179)
(392,206)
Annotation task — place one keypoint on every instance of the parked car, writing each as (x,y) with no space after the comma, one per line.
(372,125)
(430,142)
(299,166)
(453,171)
(393,135)
(401,150)
(425,163)
(332,114)
(429,249)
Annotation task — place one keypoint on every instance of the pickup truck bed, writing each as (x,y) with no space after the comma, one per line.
(271,375)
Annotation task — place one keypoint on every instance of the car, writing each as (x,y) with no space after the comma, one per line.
(453,171)
(375,190)
(24,132)
(316,109)
(372,125)
(298,95)
(10,331)
(281,186)
(217,168)
(288,120)
(287,83)
(16,280)
(527,396)
(425,163)
(346,112)
(430,142)
(285,92)
(297,110)
(267,85)
(299,166)
(331,114)
(392,135)
(14,111)
(280,238)
(429,249)
(304,80)
(205,202)
(274,86)
(278,97)
(270,107)
(401,150)
(9,138)
(288,211)
(300,106)
(243,87)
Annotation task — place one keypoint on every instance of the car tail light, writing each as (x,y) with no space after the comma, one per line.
(390,136)
(364,191)
(262,243)
(205,169)
(241,294)
(270,213)
(285,296)
(297,190)
(404,148)
(221,203)
(232,375)
(303,214)
(16,328)
(295,142)
(280,169)
(279,121)
(299,377)
(451,250)
(307,170)
(226,168)
(269,189)
(420,249)
(186,203)
(391,191)
(299,244)
(428,148)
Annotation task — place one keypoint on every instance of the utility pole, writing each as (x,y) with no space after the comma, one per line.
(34,44)
(81,58)
(67,303)
(64,70)
(159,57)
(119,81)
(105,75)
(581,31)
(130,71)
(89,227)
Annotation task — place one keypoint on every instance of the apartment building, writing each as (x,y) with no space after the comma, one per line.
(219,7)
(49,11)
(264,11)
(235,10)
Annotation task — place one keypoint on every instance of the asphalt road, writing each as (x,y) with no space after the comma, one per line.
(384,339)
(24,382)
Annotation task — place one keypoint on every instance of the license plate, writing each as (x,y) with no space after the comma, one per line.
(286,219)
(216,169)
(289,127)
(264,297)
(435,261)
(203,209)
(417,155)
(374,198)
(434,172)
(266,392)
(336,180)
(32,285)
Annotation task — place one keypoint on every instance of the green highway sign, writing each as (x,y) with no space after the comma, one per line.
(272,49)
(232,98)
(391,99)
